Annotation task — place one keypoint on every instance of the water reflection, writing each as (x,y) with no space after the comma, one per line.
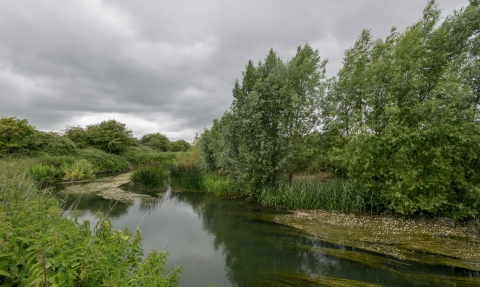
(227,242)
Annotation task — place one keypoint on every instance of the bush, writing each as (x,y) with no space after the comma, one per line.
(13,134)
(156,141)
(104,162)
(139,156)
(50,143)
(81,169)
(44,173)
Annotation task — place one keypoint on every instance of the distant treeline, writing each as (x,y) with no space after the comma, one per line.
(17,136)
(400,119)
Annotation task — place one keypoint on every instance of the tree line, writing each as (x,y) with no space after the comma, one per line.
(400,118)
(17,136)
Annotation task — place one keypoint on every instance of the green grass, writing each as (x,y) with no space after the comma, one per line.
(187,177)
(40,247)
(141,156)
(219,185)
(151,178)
(311,193)
(104,162)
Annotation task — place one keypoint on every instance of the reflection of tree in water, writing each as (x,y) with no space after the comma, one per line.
(256,251)
(93,203)
(262,253)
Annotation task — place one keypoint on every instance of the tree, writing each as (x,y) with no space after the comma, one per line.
(110,136)
(406,109)
(156,141)
(13,134)
(179,146)
(276,104)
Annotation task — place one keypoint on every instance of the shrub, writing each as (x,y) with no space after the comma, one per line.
(139,156)
(152,178)
(156,141)
(13,134)
(50,143)
(104,162)
(81,169)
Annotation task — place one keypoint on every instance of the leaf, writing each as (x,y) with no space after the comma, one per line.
(4,273)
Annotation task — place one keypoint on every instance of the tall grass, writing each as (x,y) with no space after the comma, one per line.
(104,162)
(219,185)
(311,193)
(186,177)
(141,156)
(151,178)
(40,247)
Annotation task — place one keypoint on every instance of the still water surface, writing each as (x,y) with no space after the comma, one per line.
(227,242)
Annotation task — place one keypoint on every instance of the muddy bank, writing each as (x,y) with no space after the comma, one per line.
(430,241)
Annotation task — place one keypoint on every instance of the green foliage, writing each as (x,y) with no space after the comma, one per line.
(313,193)
(400,120)
(274,107)
(139,156)
(104,162)
(406,108)
(187,178)
(40,247)
(179,146)
(110,136)
(151,178)
(156,141)
(50,143)
(44,173)
(219,185)
(13,134)
(81,169)
(78,135)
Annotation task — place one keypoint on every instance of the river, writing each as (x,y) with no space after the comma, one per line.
(234,242)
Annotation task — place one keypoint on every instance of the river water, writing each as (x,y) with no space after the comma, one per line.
(229,242)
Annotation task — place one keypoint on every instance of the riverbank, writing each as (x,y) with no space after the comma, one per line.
(41,247)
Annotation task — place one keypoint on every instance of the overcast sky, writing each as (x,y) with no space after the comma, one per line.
(165,66)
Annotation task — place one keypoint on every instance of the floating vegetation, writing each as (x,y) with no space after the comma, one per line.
(429,241)
(282,279)
(107,187)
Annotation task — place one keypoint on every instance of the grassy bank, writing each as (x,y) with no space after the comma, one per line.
(40,247)
(86,163)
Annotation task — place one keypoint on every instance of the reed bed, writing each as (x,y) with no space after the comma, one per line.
(151,178)
(311,193)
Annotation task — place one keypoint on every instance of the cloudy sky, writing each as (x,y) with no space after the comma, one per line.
(165,66)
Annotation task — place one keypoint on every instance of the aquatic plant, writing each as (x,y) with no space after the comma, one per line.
(187,177)
(151,177)
(313,193)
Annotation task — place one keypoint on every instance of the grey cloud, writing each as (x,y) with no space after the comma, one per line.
(166,65)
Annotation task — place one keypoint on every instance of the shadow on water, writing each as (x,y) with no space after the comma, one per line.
(228,242)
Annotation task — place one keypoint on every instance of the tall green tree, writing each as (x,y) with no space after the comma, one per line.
(406,109)
(274,106)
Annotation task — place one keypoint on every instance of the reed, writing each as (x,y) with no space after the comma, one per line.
(220,185)
(151,178)
(312,193)
(187,177)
